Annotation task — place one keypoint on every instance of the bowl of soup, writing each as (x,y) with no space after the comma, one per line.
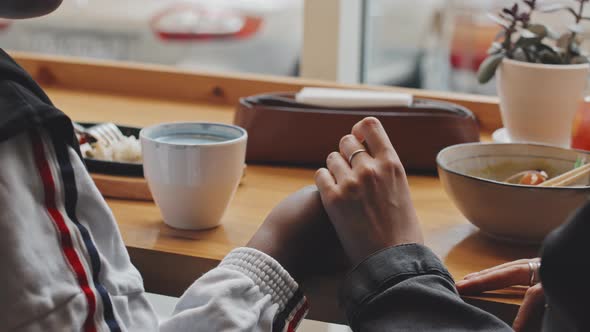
(475,175)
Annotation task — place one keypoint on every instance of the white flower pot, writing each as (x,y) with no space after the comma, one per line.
(538,102)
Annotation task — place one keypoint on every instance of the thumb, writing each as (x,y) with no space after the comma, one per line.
(531,312)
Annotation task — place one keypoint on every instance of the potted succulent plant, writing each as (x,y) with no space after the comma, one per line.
(541,75)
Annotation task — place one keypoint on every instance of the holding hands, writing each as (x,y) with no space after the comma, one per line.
(366,193)
(362,204)
(298,234)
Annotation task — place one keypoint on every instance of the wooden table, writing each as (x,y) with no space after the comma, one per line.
(169,259)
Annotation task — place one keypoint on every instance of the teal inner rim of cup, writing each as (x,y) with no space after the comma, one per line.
(211,133)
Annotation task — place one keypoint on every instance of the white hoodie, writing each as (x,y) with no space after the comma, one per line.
(64,267)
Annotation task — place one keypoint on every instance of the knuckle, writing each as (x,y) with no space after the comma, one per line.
(350,187)
(393,164)
(366,173)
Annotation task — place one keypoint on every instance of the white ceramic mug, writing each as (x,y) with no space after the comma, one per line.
(193,170)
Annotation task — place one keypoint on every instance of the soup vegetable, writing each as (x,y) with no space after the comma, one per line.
(536,177)
(529,178)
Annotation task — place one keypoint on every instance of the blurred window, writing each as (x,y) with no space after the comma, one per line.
(259,36)
(432,44)
(436,44)
(396,39)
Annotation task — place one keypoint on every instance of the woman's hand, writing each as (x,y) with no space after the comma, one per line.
(298,234)
(517,273)
(369,201)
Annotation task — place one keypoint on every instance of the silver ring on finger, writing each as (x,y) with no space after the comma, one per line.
(354,154)
(534,268)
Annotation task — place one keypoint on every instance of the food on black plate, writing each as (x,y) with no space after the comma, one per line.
(127,150)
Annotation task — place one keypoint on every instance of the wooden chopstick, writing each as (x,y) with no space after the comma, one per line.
(567,178)
(571,180)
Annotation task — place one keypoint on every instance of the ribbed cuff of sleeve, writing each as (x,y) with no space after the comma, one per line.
(385,269)
(273,280)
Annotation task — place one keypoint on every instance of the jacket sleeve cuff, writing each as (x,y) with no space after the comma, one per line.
(273,280)
(385,269)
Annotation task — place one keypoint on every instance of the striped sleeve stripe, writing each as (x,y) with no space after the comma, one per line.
(65,170)
(292,314)
(71,199)
(297,316)
(64,234)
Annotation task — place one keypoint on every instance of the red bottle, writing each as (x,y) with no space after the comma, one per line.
(581,131)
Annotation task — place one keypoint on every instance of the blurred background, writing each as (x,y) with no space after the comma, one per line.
(425,44)
(430,44)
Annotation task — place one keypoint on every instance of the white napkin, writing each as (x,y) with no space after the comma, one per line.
(352,98)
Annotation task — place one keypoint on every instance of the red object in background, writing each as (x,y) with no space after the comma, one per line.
(189,24)
(581,131)
(467,61)
(470,42)
(5,24)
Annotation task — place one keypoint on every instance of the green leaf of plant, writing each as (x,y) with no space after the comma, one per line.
(495,48)
(580,162)
(550,58)
(545,47)
(527,41)
(519,54)
(526,33)
(488,67)
(539,30)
